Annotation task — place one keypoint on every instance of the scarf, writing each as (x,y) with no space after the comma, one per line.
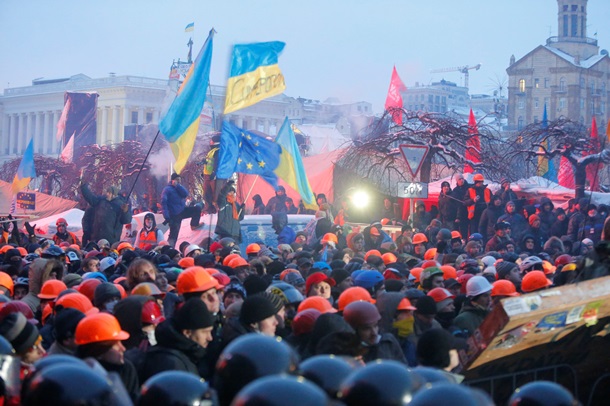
(231,199)
(404,327)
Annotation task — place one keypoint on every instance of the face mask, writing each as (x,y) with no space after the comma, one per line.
(445,318)
(151,337)
(404,326)
(377,340)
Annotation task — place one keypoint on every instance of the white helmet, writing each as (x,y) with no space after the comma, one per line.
(477,285)
(529,263)
(191,248)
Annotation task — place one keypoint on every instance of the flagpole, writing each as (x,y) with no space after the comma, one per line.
(142,166)
(248,195)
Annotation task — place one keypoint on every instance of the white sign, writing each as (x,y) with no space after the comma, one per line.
(414,155)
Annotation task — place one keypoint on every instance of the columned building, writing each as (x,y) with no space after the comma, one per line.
(569,75)
(126,101)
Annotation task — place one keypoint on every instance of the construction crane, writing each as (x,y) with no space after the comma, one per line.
(462,69)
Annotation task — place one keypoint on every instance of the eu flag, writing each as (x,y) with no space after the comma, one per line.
(245,152)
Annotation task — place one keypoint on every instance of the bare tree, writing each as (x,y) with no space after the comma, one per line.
(562,138)
(376,156)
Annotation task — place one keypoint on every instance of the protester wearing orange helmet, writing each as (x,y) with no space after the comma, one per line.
(63,235)
(100,336)
(477,200)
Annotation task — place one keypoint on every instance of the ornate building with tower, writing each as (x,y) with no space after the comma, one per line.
(569,74)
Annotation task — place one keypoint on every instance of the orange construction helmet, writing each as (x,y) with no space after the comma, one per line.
(456,234)
(416,272)
(147,289)
(534,280)
(371,252)
(405,304)
(430,253)
(47,310)
(51,289)
(440,294)
(124,245)
(389,258)
(420,238)
(76,301)
(316,302)
(186,262)
(22,251)
(353,294)
(61,221)
(97,328)
(449,272)
(87,287)
(478,178)
(384,221)
(253,248)
(121,289)
(548,268)
(330,237)
(237,262)
(228,259)
(195,279)
(7,282)
(503,287)
(429,263)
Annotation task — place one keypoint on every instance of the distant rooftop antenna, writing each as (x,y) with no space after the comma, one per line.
(111,74)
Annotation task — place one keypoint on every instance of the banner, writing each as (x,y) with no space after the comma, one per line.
(81,121)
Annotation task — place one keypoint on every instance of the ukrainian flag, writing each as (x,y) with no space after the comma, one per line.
(291,168)
(255,74)
(181,123)
(546,168)
(26,171)
(245,152)
(189,27)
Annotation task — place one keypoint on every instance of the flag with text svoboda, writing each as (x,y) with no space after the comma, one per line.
(255,74)
(245,152)
(291,168)
(26,171)
(181,122)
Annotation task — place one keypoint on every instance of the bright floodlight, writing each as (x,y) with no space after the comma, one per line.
(360,199)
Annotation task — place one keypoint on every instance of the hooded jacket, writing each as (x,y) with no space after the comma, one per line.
(173,352)
(517,223)
(387,304)
(40,272)
(547,217)
(285,234)
(277,202)
(148,239)
(489,218)
(226,224)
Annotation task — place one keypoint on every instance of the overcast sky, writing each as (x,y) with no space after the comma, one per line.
(334,48)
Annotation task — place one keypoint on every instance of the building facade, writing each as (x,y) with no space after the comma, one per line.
(569,75)
(127,101)
(438,97)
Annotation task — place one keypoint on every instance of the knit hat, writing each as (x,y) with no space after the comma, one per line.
(504,267)
(339,275)
(255,284)
(533,218)
(66,322)
(449,283)
(414,294)
(193,315)
(256,308)
(426,306)
(72,279)
(236,287)
(433,348)
(21,334)
(105,292)
(393,285)
(175,176)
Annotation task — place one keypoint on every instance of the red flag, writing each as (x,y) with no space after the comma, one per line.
(67,155)
(473,145)
(394,98)
(593,169)
(565,176)
(61,124)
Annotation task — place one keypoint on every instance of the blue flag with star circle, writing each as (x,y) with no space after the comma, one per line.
(246,152)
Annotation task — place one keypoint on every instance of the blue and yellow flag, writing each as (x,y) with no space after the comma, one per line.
(255,74)
(291,168)
(26,171)
(181,122)
(245,152)
(189,27)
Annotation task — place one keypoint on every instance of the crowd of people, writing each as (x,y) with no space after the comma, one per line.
(83,318)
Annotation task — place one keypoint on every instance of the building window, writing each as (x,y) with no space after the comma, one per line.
(592,108)
(603,88)
(574,25)
(521,104)
(565,25)
(134,117)
(562,103)
(546,83)
(520,123)
(565,7)
(546,102)
(522,85)
(536,83)
(592,86)
(148,118)
(562,84)
(574,7)
(536,103)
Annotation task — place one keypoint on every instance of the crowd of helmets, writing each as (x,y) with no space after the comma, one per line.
(339,316)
